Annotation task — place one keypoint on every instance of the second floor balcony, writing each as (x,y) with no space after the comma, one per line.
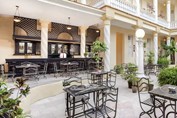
(130,7)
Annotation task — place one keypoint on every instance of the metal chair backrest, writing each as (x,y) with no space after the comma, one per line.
(142,88)
(72,81)
(112,78)
(110,102)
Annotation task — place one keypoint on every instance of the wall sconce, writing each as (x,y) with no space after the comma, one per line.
(17,15)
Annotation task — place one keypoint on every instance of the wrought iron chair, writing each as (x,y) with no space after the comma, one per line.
(57,70)
(72,81)
(43,70)
(105,106)
(143,88)
(8,74)
(112,79)
(31,72)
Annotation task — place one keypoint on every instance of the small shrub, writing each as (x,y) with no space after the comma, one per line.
(168,76)
(118,69)
(163,61)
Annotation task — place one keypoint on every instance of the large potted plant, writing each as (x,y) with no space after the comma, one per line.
(130,75)
(97,48)
(9,107)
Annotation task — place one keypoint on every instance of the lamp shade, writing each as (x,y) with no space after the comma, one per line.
(140,33)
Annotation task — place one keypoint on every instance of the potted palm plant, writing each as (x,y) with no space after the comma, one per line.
(97,48)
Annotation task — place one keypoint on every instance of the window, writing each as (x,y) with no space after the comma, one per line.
(23,47)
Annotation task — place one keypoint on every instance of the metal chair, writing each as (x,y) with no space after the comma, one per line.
(43,70)
(8,74)
(104,106)
(73,81)
(31,72)
(143,88)
(57,70)
(112,79)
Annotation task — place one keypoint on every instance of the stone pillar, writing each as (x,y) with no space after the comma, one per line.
(141,57)
(175,11)
(44,38)
(168,43)
(138,7)
(168,11)
(83,30)
(83,2)
(155,48)
(107,28)
(155,4)
(136,48)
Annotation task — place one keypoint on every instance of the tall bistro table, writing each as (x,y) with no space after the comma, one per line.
(98,76)
(71,93)
(163,92)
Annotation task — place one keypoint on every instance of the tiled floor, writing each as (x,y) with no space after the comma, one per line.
(54,107)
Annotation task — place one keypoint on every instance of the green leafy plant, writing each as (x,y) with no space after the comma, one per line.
(170,50)
(163,61)
(118,69)
(168,76)
(85,54)
(9,107)
(130,73)
(97,48)
(150,58)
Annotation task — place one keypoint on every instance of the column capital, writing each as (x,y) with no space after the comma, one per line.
(83,28)
(168,1)
(155,34)
(44,23)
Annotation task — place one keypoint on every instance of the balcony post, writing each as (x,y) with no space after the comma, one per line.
(44,38)
(83,30)
(155,5)
(168,11)
(155,47)
(107,2)
(83,2)
(138,7)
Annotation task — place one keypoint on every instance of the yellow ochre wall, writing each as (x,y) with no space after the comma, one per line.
(7,45)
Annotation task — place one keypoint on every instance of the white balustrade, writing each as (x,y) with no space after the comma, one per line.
(173,24)
(163,22)
(124,6)
(97,3)
(148,15)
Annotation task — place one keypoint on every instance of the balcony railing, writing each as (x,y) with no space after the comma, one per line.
(124,6)
(163,22)
(148,15)
(173,24)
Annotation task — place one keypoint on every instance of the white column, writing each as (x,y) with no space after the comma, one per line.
(83,40)
(107,28)
(155,48)
(141,57)
(168,43)
(168,11)
(155,5)
(136,51)
(175,12)
(44,39)
(138,7)
(83,2)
